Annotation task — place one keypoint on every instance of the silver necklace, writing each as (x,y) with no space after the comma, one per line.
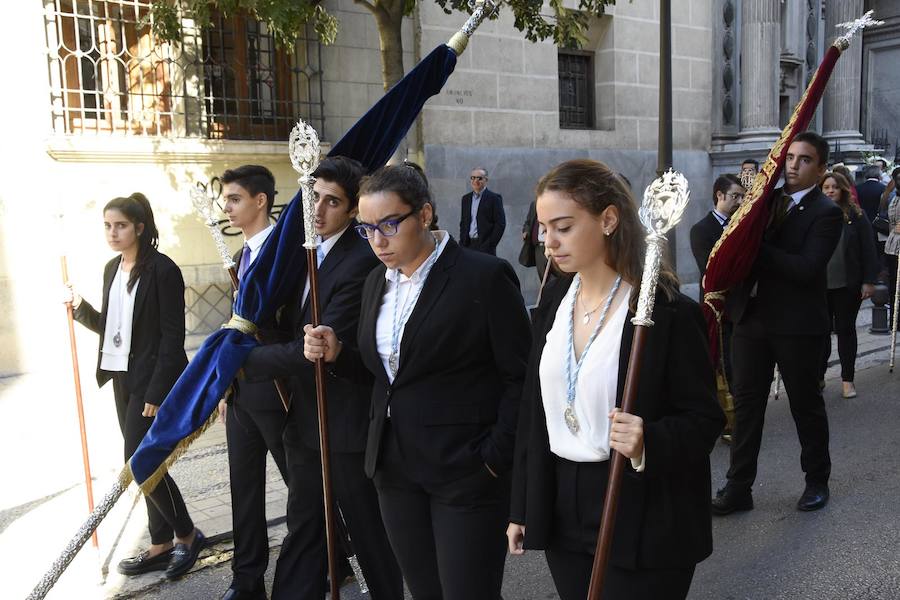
(572,378)
(394,358)
(587,313)
(117,339)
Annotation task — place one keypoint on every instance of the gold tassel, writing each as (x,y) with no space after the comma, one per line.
(150,484)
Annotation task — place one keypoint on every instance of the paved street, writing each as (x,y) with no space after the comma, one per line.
(848,551)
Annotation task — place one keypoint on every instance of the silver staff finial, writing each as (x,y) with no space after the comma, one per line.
(664,202)
(855,26)
(304,148)
(481,10)
(205,205)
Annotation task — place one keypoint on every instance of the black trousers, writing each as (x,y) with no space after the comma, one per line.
(754,356)
(843,307)
(302,564)
(571,572)
(450,538)
(890,263)
(166,512)
(251,434)
(580,489)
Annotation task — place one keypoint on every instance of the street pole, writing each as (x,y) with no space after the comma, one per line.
(664,150)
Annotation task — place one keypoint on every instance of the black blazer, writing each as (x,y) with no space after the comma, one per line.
(790,270)
(869,193)
(663,520)
(860,255)
(704,235)
(455,400)
(341,278)
(491,221)
(157,355)
(261,395)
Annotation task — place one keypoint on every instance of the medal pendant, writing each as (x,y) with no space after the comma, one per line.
(571,420)
(586,318)
(393,363)
(117,339)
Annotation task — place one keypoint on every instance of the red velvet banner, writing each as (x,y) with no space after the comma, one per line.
(734,254)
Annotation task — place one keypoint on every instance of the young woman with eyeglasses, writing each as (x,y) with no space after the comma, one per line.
(444,333)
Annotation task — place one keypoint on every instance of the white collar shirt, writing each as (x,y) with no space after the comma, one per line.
(322,251)
(256,242)
(403,290)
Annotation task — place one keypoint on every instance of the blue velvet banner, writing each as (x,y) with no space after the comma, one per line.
(375,137)
(193,400)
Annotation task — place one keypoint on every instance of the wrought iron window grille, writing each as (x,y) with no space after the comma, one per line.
(109,75)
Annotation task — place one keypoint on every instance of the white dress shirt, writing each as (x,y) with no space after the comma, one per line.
(796,197)
(473,226)
(407,288)
(119,316)
(256,242)
(322,251)
(722,219)
(595,389)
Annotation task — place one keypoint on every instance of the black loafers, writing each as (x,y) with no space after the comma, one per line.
(184,556)
(728,501)
(233,594)
(144,563)
(814,497)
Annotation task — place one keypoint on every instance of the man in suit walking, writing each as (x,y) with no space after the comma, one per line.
(780,318)
(728,193)
(254,416)
(482,220)
(345,260)
(870,191)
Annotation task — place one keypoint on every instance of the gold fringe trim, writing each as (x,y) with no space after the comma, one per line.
(126,476)
(241,324)
(150,484)
(767,172)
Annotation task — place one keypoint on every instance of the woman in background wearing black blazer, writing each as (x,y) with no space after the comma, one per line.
(852,273)
(141,327)
(444,332)
(570,422)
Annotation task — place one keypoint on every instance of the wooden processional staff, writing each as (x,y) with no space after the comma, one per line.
(662,207)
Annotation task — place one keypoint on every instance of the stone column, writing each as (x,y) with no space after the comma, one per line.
(760,69)
(842,96)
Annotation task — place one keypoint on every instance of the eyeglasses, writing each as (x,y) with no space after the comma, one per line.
(477,177)
(387,227)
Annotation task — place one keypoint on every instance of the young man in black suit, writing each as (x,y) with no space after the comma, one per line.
(481,220)
(254,416)
(870,191)
(345,260)
(728,193)
(780,317)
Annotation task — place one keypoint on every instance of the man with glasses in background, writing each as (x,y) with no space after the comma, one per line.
(728,193)
(481,220)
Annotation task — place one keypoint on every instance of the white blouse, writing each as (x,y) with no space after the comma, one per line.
(119,314)
(408,289)
(595,389)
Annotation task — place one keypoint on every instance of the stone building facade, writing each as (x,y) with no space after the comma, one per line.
(96,109)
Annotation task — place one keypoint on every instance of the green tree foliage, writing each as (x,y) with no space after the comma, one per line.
(286,18)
